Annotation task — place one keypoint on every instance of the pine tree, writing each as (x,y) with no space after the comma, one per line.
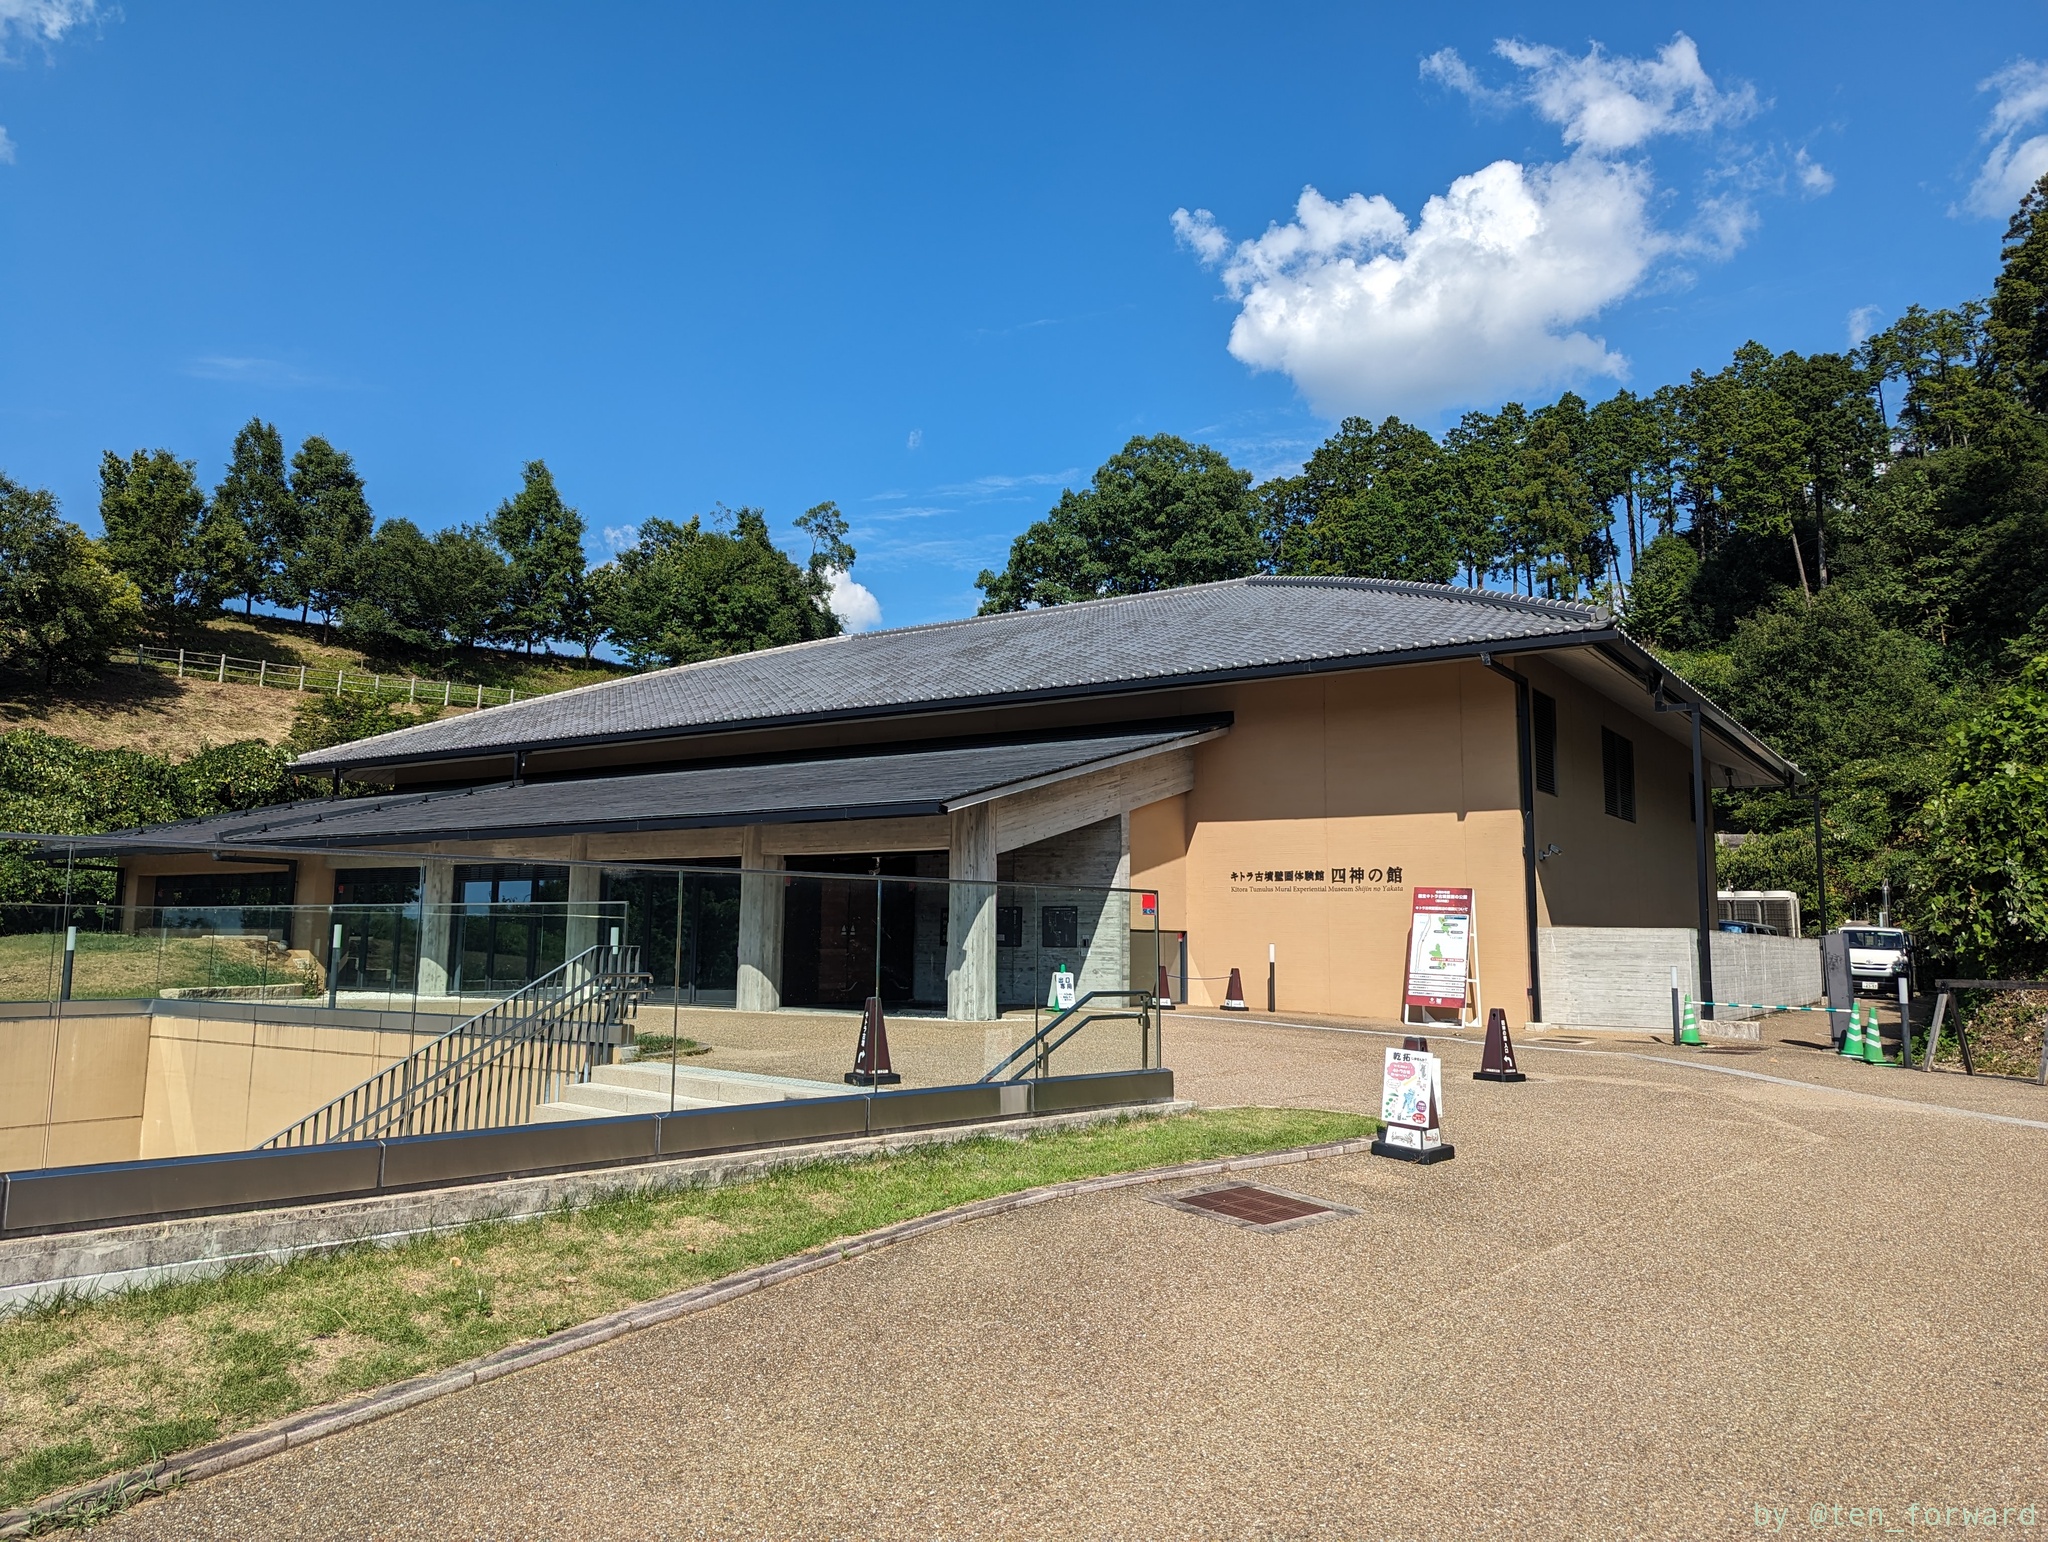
(542,538)
(335,524)
(2017,324)
(257,495)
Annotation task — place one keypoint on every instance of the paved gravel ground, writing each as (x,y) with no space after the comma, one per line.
(1644,1301)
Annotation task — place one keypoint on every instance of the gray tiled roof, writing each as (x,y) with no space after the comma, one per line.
(1241,627)
(871,785)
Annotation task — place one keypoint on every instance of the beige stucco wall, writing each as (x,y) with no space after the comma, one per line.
(71,1089)
(227,1086)
(117,1088)
(1609,872)
(1403,768)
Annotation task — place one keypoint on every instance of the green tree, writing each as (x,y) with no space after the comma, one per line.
(397,607)
(1660,600)
(63,611)
(1479,488)
(1827,683)
(472,579)
(1986,904)
(321,722)
(542,539)
(256,494)
(684,593)
(334,527)
(1369,504)
(1158,514)
(150,507)
(827,528)
(2016,321)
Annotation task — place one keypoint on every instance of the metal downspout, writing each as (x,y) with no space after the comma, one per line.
(1525,767)
(1701,838)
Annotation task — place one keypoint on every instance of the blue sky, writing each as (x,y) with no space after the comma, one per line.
(927,261)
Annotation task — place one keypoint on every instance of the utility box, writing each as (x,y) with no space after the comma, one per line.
(1840,988)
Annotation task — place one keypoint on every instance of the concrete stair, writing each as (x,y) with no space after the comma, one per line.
(644,1088)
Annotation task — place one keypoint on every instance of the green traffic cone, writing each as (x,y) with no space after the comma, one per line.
(1852,1041)
(1689,1024)
(1873,1039)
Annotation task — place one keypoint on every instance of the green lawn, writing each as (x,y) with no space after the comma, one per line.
(111,965)
(95,1386)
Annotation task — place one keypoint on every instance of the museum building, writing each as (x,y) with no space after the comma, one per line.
(1255,775)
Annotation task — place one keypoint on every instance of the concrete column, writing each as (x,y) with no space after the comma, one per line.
(437,928)
(1108,962)
(971,916)
(586,886)
(760,981)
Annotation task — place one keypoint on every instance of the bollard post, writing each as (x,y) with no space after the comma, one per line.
(1676,1024)
(334,967)
(70,958)
(1905,1020)
(1272,977)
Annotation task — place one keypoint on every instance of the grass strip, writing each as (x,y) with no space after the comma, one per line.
(96,1386)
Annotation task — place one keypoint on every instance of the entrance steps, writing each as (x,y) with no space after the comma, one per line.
(644,1087)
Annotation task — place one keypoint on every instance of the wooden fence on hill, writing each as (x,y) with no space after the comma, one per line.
(320,679)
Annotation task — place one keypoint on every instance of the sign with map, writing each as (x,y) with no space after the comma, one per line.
(1440,949)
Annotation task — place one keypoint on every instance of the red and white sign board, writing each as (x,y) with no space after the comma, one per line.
(1440,950)
(1411,1099)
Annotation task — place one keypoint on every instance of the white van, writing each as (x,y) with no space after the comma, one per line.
(1877,955)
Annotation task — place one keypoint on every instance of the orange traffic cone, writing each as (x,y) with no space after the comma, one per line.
(871,1056)
(1233,998)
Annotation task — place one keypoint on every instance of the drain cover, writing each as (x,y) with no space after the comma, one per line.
(1262,1209)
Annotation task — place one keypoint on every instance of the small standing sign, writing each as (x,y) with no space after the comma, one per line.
(1497,1060)
(871,1067)
(1063,993)
(1411,1105)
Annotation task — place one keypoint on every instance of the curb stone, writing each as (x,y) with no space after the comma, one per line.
(304,1428)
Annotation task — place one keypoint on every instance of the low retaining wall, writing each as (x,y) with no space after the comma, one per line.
(77,1198)
(114,1258)
(1620,976)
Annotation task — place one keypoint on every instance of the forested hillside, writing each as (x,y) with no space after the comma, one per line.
(1847,550)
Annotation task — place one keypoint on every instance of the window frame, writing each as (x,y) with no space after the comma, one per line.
(1543,741)
(1617,774)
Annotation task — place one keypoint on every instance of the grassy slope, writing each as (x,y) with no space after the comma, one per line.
(92,1387)
(146,710)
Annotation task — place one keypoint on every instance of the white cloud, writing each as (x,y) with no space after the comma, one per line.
(618,538)
(915,440)
(1862,322)
(857,609)
(1603,103)
(45,21)
(2014,164)
(1491,288)
(245,370)
(1815,180)
(1484,292)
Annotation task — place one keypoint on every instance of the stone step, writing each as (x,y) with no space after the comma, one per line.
(710,1084)
(601,1098)
(586,1100)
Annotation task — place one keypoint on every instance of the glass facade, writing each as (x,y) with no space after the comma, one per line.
(509,924)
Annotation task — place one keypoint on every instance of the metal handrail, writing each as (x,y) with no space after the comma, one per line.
(490,1069)
(1040,1046)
